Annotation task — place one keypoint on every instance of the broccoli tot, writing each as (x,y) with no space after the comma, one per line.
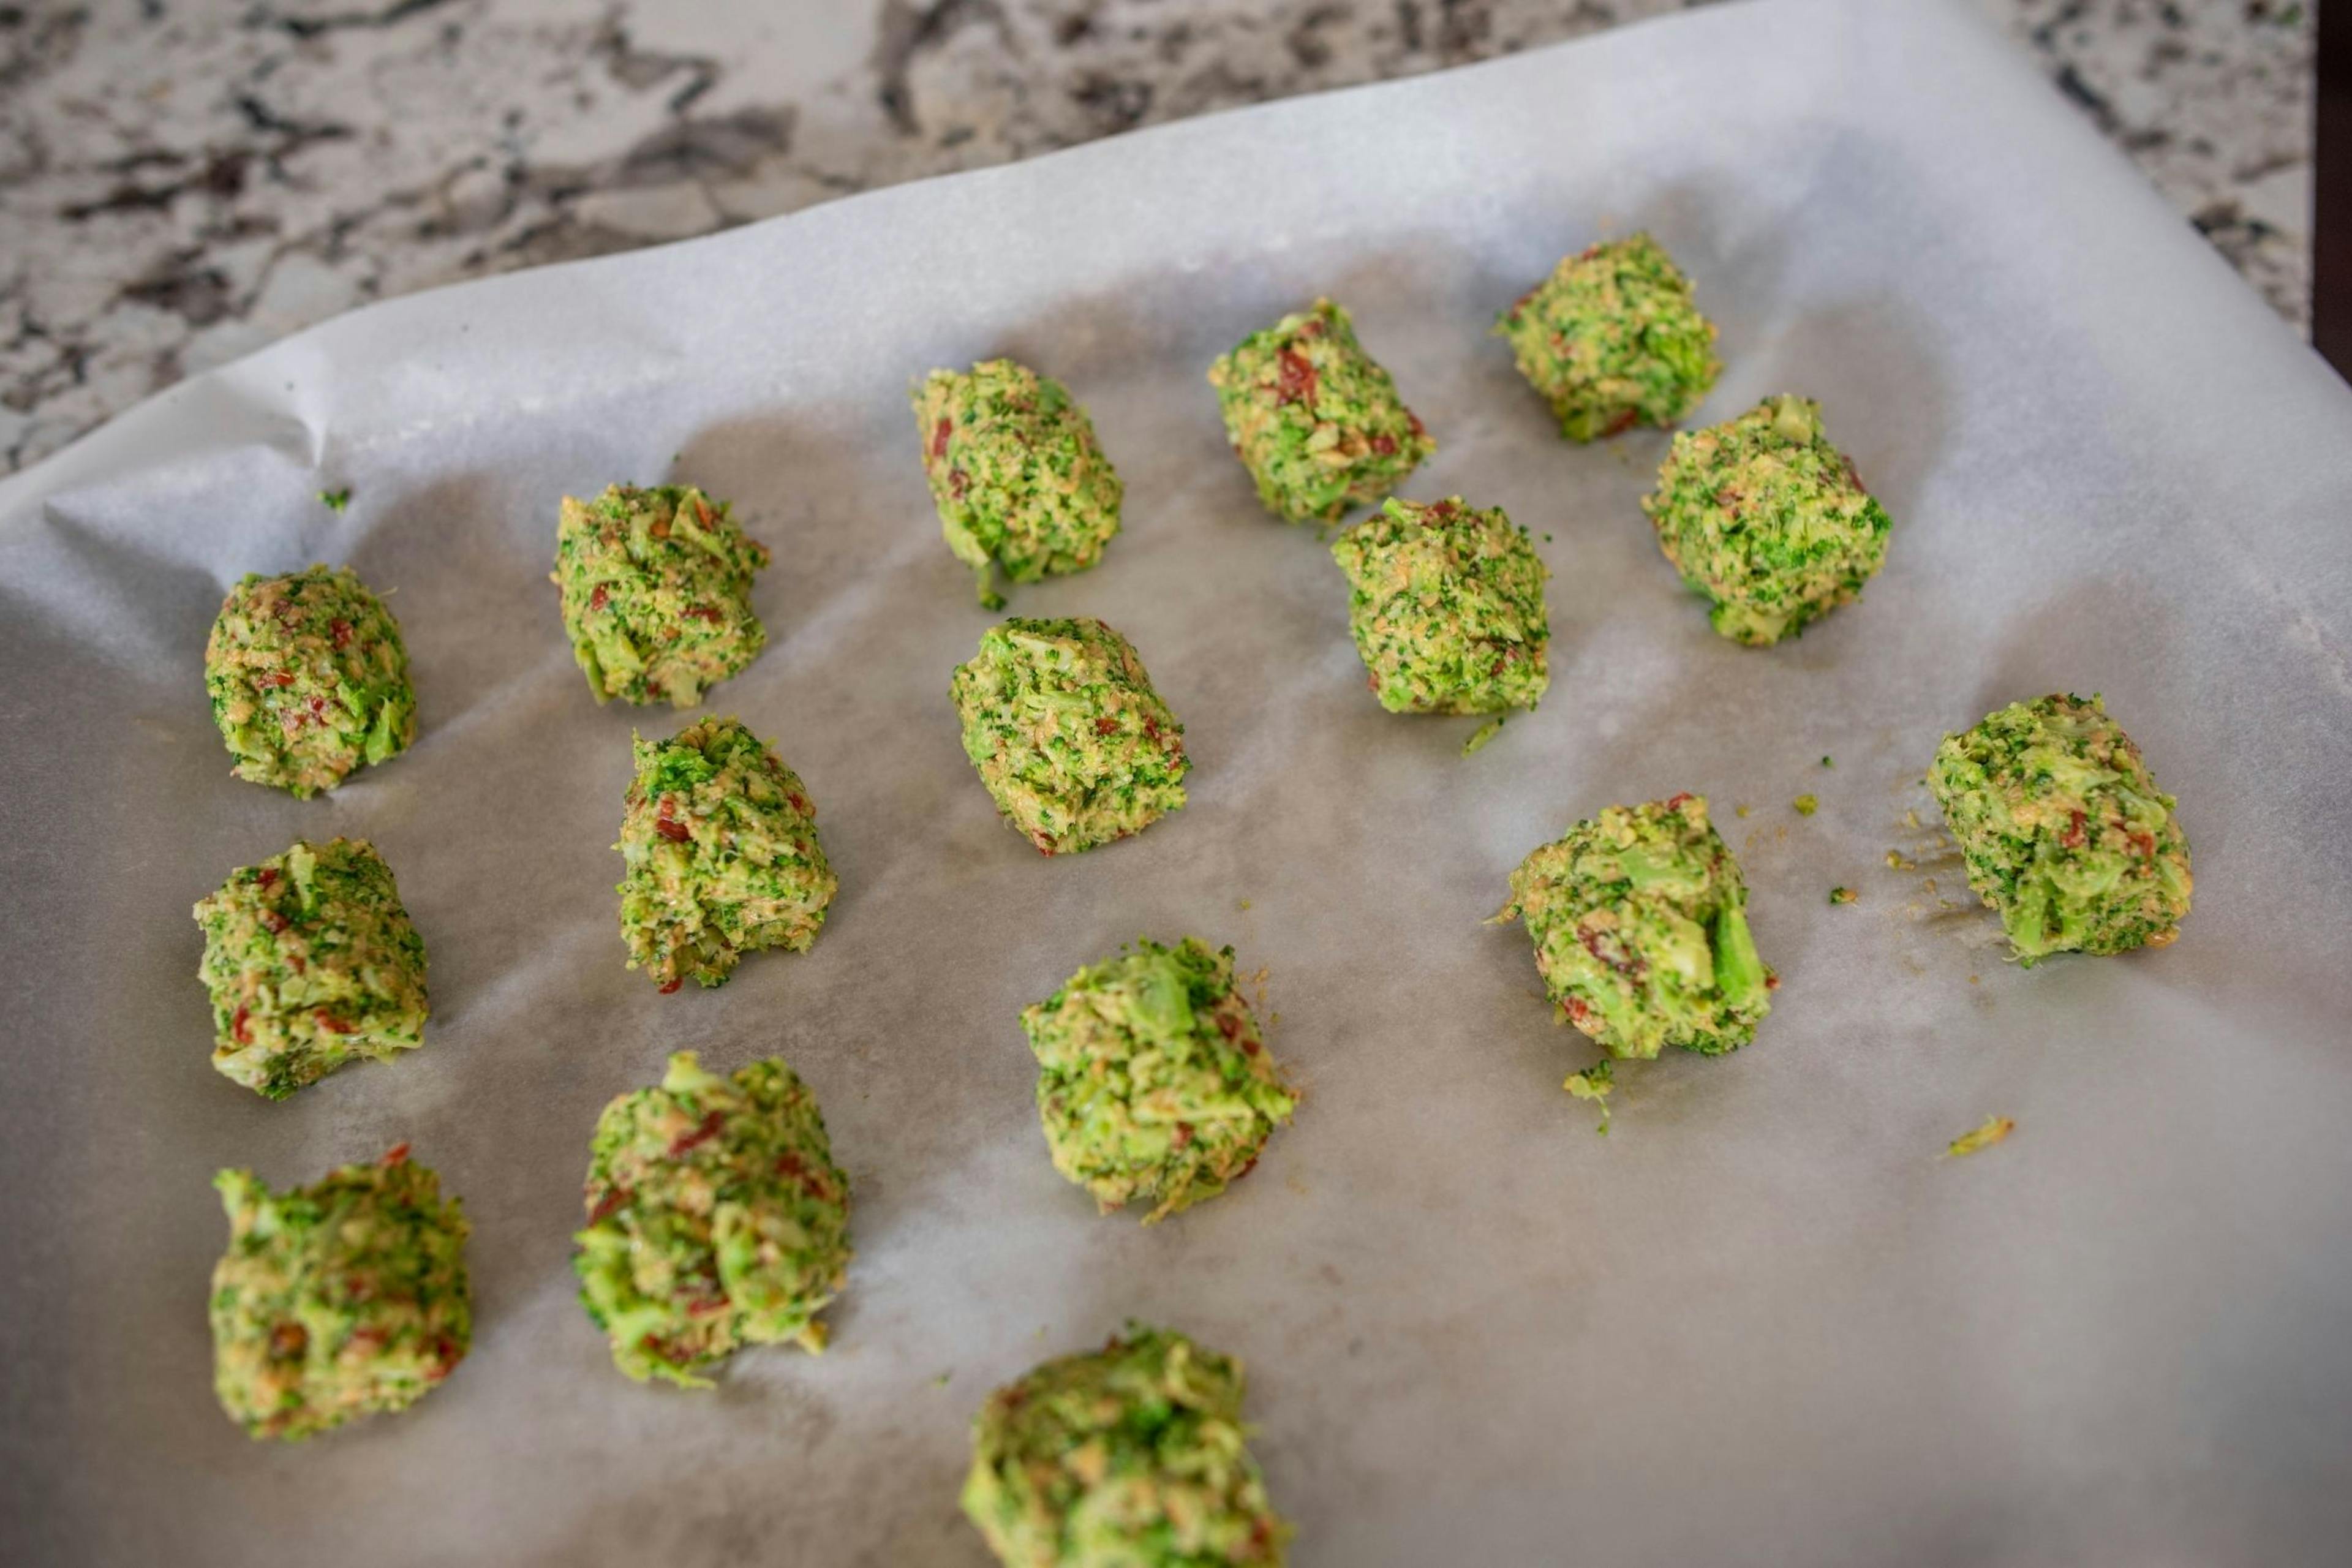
(1153,1082)
(656,593)
(1067,735)
(1131,1457)
(1767,520)
(2064,829)
(1316,420)
(338,1300)
(1446,605)
(312,962)
(716,1219)
(1612,339)
(1639,919)
(1015,473)
(308,680)
(719,846)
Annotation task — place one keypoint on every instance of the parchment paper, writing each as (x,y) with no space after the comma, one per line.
(1763,1321)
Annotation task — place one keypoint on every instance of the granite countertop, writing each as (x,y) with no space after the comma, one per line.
(183,181)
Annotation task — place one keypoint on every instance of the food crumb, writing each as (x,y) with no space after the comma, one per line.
(1546,538)
(1739,810)
(1593,1084)
(1806,804)
(1841,894)
(1482,734)
(1995,1128)
(336,500)
(1827,762)
(1245,903)
(1895,862)
(942,1379)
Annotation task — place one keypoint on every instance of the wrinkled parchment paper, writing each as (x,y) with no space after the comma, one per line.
(1763,1321)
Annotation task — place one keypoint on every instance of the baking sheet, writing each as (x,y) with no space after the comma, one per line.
(1760,1321)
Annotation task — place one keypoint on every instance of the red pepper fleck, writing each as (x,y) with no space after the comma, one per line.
(613,1199)
(704,1131)
(330,1022)
(444,1360)
(268,874)
(1105,726)
(1579,1011)
(790,1164)
(939,434)
(1674,802)
(704,1306)
(1311,328)
(707,613)
(1251,1047)
(1385,444)
(1183,1133)
(1414,420)
(1771,981)
(600,598)
(958,483)
(1246,1170)
(274,921)
(675,832)
(369,1337)
(341,633)
(396,1154)
(2144,843)
(702,511)
(670,985)
(2074,838)
(240,1027)
(801,804)
(1228,1025)
(1622,422)
(275,678)
(1853,475)
(296,959)
(660,527)
(288,1341)
(1293,377)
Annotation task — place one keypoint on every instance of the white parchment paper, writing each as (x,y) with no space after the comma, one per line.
(1761,1321)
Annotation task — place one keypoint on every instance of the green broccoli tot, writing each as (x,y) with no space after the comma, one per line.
(1315,420)
(720,853)
(338,1300)
(1768,520)
(1132,1457)
(308,679)
(1612,339)
(716,1219)
(656,593)
(1152,1080)
(1067,734)
(1446,605)
(1639,918)
(1015,473)
(2064,829)
(311,962)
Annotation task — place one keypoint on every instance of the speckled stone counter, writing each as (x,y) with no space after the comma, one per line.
(184,180)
